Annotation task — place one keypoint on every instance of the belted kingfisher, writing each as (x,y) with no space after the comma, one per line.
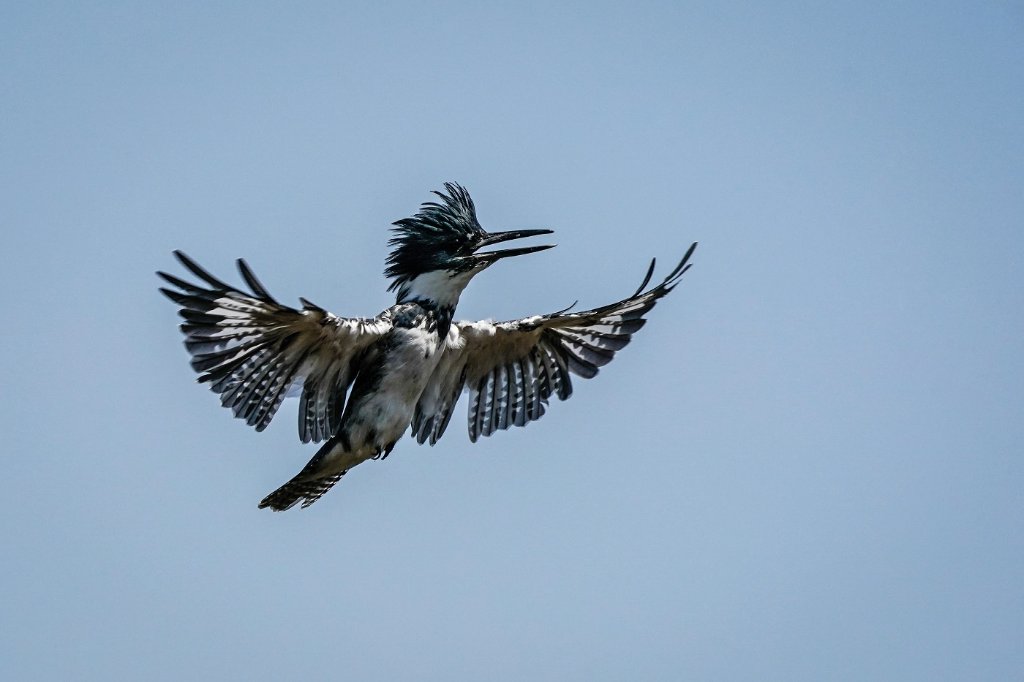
(362,382)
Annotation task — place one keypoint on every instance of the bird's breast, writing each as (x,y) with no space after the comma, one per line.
(383,404)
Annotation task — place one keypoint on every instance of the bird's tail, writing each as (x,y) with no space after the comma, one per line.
(310,484)
(309,491)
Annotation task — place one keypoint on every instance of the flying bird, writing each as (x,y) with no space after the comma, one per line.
(362,382)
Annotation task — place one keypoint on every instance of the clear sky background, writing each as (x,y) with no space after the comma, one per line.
(808,466)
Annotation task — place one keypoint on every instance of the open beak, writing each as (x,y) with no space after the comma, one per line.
(497,237)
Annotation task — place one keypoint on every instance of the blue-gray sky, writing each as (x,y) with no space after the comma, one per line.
(807,466)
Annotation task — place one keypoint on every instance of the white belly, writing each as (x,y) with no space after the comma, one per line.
(381,417)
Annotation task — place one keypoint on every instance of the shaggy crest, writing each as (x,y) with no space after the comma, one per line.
(429,239)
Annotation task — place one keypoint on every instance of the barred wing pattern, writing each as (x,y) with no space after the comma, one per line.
(252,349)
(511,369)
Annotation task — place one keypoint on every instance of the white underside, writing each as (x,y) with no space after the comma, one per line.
(382,417)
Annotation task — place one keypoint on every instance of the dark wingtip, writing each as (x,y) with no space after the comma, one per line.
(198,271)
(647,279)
(171,294)
(684,264)
(254,284)
(309,305)
(566,309)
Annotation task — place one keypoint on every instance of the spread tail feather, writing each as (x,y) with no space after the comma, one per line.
(315,479)
(309,491)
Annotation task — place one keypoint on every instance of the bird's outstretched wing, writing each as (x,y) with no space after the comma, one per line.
(511,369)
(252,349)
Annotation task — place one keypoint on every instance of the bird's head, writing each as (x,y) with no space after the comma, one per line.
(437,251)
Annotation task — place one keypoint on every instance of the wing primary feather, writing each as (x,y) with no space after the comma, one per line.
(647,279)
(279,388)
(564,310)
(213,365)
(515,387)
(237,378)
(564,380)
(592,353)
(183,285)
(518,416)
(683,264)
(580,367)
(475,409)
(200,272)
(553,368)
(532,392)
(176,296)
(449,410)
(257,287)
(486,402)
(492,395)
(304,430)
(260,392)
(335,404)
(502,389)
(248,399)
(544,383)
(309,305)
(325,403)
